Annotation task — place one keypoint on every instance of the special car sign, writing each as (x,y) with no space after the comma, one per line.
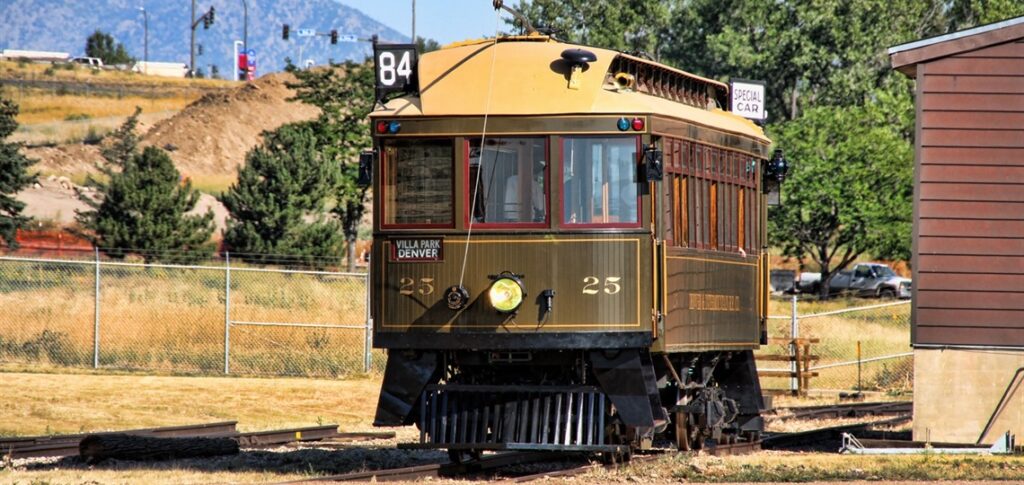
(747,98)
(394,68)
(417,249)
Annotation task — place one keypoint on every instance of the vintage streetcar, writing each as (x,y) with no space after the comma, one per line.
(568,249)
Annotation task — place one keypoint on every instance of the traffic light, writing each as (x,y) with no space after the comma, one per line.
(208,19)
(285,31)
(334,37)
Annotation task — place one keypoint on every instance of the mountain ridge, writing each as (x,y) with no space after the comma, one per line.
(55,25)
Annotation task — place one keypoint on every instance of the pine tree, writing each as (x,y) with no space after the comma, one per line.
(14,175)
(278,205)
(143,207)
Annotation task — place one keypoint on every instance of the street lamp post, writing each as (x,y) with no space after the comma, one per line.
(145,41)
(245,23)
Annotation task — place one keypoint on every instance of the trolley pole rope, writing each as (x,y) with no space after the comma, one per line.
(483,138)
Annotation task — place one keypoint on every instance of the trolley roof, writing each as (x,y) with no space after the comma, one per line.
(527,77)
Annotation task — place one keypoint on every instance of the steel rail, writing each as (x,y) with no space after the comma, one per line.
(853,410)
(786,440)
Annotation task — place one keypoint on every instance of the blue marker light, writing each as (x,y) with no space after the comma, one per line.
(393,127)
(623,124)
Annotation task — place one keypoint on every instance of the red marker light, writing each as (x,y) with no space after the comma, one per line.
(638,124)
(382,127)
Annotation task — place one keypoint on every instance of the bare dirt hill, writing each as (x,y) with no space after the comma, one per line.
(212,135)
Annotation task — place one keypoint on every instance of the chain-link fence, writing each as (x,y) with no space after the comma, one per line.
(217,318)
(865,347)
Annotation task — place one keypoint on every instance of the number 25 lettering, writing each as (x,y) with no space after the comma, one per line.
(408,286)
(611,285)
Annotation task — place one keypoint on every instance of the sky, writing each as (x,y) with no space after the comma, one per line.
(442,20)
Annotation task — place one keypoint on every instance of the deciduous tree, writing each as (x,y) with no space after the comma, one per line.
(101,45)
(345,95)
(849,191)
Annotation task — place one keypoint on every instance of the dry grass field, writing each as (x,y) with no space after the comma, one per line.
(37,403)
(70,72)
(172,319)
(71,403)
(38,106)
(880,332)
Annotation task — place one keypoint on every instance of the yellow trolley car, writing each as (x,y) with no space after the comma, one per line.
(568,249)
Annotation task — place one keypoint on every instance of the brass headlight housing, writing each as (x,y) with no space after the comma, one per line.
(506,293)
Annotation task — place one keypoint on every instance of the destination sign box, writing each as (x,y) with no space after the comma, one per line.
(417,249)
(747,98)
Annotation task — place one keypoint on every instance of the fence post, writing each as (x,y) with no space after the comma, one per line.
(96,319)
(794,333)
(368,340)
(227,312)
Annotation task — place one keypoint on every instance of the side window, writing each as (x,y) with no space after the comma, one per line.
(508,181)
(600,181)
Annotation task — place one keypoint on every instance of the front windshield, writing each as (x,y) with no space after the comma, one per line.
(510,185)
(418,182)
(884,272)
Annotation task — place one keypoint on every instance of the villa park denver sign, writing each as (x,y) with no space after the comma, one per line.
(747,98)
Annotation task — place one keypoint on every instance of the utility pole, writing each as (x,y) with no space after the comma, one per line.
(245,27)
(145,39)
(413,21)
(207,20)
(192,46)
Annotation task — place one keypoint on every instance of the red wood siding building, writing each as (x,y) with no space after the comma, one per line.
(969,195)
(968,247)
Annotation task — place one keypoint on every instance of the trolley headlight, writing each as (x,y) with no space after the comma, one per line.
(506,293)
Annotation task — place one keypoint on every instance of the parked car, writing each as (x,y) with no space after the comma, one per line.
(93,62)
(782,281)
(870,280)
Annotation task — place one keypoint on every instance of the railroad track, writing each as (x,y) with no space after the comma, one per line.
(741,448)
(814,436)
(852,410)
(67,445)
(440,470)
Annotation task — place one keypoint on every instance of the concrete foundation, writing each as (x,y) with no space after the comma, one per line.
(956,392)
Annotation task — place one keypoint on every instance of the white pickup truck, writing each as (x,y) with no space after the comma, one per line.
(865,280)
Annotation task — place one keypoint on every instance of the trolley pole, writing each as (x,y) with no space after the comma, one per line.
(96,322)
(227,312)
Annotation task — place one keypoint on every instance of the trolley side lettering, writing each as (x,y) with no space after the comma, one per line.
(711,302)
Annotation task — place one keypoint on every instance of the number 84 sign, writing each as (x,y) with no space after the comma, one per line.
(394,68)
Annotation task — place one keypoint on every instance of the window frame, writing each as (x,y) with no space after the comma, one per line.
(468,183)
(599,225)
(384,224)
